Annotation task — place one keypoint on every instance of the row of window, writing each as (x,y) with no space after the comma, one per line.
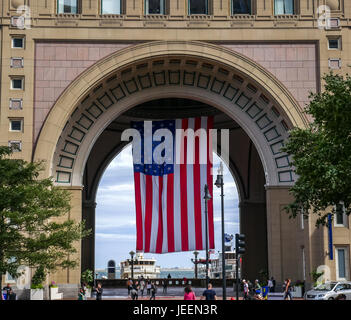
(159,6)
(17,83)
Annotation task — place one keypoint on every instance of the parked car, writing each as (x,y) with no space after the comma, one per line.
(329,291)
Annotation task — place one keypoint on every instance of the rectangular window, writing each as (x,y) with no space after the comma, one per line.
(241,6)
(111,7)
(340,218)
(154,6)
(334,44)
(198,6)
(17,43)
(283,7)
(16,125)
(16,146)
(17,84)
(342,263)
(67,6)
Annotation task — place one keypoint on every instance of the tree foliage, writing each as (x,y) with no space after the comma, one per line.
(33,228)
(321,154)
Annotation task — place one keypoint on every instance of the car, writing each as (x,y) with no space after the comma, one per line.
(330,291)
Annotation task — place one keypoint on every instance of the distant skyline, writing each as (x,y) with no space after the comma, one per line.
(115,215)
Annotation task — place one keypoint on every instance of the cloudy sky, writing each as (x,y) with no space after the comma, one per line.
(115,215)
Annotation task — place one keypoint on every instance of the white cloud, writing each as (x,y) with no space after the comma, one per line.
(115,236)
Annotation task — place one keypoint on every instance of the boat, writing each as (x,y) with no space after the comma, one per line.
(215,265)
(142,267)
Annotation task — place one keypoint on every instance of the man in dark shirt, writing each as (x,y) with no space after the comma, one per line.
(98,291)
(209,294)
(8,291)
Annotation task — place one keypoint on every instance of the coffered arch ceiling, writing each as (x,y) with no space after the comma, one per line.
(231,83)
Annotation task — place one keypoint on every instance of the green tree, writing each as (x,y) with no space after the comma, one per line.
(32,230)
(322,153)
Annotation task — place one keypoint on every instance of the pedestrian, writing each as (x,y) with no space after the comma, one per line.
(189,293)
(164,283)
(129,284)
(7,290)
(134,290)
(246,290)
(274,282)
(169,276)
(81,294)
(99,291)
(148,287)
(209,293)
(287,290)
(270,285)
(142,286)
(85,289)
(258,290)
(153,291)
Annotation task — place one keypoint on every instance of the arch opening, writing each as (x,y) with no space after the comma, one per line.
(245,168)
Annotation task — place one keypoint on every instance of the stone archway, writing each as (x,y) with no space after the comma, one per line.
(221,78)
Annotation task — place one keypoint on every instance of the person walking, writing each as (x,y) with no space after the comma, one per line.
(287,290)
(142,286)
(270,285)
(258,290)
(129,284)
(274,283)
(134,290)
(246,290)
(153,291)
(81,294)
(189,293)
(209,293)
(7,290)
(98,291)
(164,284)
(148,287)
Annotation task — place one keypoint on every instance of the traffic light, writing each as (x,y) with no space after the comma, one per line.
(239,243)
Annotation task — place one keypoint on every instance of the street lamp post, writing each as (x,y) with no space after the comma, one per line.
(220,184)
(132,253)
(196,253)
(206,197)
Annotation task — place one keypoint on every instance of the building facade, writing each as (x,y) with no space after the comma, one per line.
(75,72)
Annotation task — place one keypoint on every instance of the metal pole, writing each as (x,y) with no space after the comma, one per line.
(223,246)
(206,227)
(196,254)
(236,267)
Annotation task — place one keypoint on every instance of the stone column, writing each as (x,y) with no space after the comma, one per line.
(71,276)
(88,244)
(285,236)
(253,225)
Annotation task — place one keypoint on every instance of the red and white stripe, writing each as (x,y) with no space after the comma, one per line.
(170,209)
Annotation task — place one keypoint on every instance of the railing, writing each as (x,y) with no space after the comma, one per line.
(122,283)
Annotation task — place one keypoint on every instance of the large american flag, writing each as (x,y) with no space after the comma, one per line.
(169,197)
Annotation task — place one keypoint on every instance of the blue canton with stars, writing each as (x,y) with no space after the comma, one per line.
(154,169)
